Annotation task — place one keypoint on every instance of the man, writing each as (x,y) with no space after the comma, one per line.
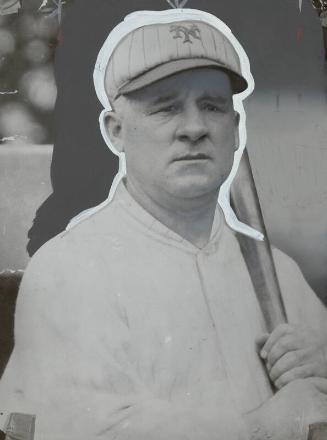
(141,321)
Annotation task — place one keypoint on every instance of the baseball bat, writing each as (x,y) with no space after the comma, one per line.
(259,260)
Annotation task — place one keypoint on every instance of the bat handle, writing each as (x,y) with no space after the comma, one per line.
(318,431)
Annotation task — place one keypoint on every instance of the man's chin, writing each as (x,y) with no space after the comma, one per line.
(193,187)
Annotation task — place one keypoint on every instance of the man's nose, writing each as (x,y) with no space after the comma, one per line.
(192,126)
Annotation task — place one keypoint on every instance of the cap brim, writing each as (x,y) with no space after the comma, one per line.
(239,84)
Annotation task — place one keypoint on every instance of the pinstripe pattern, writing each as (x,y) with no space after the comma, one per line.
(159,44)
(225,49)
(153,45)
(113,71)
(129,56)
(205,51)
(177,50)
(214,42)
(143,49)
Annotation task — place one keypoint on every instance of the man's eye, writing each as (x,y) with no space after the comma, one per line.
(168,109)
(212,108)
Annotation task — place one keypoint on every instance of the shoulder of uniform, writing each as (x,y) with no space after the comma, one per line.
(283,260)
(78,241)
(291,278)
(60,261)
(73,253)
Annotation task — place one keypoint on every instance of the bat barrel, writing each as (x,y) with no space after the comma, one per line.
(257,255)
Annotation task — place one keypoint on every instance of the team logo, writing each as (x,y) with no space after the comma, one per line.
(186,32)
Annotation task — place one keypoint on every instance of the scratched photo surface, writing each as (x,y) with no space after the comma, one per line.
(54,163)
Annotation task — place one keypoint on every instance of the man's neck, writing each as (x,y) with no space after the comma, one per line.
(192,219)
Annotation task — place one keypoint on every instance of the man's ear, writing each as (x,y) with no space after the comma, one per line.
(236,129)
(113,124)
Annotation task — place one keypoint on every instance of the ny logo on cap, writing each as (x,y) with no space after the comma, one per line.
(183,31)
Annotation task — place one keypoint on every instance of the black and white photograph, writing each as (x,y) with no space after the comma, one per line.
(163,253)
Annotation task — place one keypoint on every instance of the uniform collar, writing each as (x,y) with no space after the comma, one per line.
(154,226)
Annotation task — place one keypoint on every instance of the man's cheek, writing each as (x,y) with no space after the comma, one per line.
(140,134)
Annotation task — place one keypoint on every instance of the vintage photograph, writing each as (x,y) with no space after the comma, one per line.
(163,166)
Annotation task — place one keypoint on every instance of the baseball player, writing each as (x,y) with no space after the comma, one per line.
(141,322)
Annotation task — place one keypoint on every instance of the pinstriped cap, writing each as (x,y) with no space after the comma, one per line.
(155,51)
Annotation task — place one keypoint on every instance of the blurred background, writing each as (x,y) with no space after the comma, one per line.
(42,103)
(29,34)
(27,86)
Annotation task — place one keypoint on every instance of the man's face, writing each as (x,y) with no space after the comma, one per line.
(179,134)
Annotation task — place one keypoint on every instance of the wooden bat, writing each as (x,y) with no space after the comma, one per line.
(259,260)
(257,255)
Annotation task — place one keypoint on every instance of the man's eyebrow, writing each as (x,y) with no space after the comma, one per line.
(164,98)
(214,98)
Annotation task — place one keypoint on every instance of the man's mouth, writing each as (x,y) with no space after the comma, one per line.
(192,157)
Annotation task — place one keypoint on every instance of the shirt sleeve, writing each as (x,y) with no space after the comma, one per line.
(50,373)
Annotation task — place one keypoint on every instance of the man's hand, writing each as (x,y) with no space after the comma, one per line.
(294,352)
(288,414)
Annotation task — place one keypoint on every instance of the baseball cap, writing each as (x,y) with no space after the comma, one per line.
(152,45)
(153,52)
